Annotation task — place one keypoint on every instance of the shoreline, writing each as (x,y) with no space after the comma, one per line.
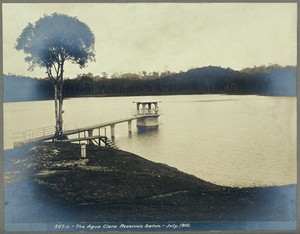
(127,187)
(149,94)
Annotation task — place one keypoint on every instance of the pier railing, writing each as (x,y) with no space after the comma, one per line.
(34,133)
(44,131)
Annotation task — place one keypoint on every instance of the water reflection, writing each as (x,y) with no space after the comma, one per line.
(149,132)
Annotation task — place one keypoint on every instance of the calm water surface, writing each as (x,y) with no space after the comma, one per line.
(228,140)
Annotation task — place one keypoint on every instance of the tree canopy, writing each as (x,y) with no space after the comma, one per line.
(54,39)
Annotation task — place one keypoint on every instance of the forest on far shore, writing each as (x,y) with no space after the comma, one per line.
(273,80)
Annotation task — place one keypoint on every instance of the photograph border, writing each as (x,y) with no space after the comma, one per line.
(154,1)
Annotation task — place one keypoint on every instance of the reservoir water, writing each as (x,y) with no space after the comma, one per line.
(227,140)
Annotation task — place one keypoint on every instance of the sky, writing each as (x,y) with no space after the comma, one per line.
(136,37)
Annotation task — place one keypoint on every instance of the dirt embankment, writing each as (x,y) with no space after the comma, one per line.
(113,185)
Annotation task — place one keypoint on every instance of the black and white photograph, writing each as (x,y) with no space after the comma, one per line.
(149,116)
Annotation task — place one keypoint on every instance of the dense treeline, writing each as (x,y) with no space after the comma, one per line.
(20,88)
(271,80)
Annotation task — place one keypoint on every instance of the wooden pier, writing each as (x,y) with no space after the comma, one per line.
(85,134)
(146,116)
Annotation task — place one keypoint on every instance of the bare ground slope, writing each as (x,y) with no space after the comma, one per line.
(49,182)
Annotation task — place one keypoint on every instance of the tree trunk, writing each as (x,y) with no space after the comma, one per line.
(56,111)
(58,100)
(60,111)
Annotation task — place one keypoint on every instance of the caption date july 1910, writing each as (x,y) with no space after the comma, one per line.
(106,226)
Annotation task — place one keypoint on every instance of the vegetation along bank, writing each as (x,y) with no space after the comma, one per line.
(273,80)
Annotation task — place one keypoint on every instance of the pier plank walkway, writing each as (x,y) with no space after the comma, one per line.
(88,129)
(102,125)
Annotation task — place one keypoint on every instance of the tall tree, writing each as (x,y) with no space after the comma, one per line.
(49,43)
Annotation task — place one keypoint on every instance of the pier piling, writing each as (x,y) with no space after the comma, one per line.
(129,127)
(83,150)
(90,134)
(112,129)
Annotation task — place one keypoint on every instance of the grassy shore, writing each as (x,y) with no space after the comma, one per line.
(51,183)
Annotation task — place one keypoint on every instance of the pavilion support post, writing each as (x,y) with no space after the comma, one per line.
(144,108)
